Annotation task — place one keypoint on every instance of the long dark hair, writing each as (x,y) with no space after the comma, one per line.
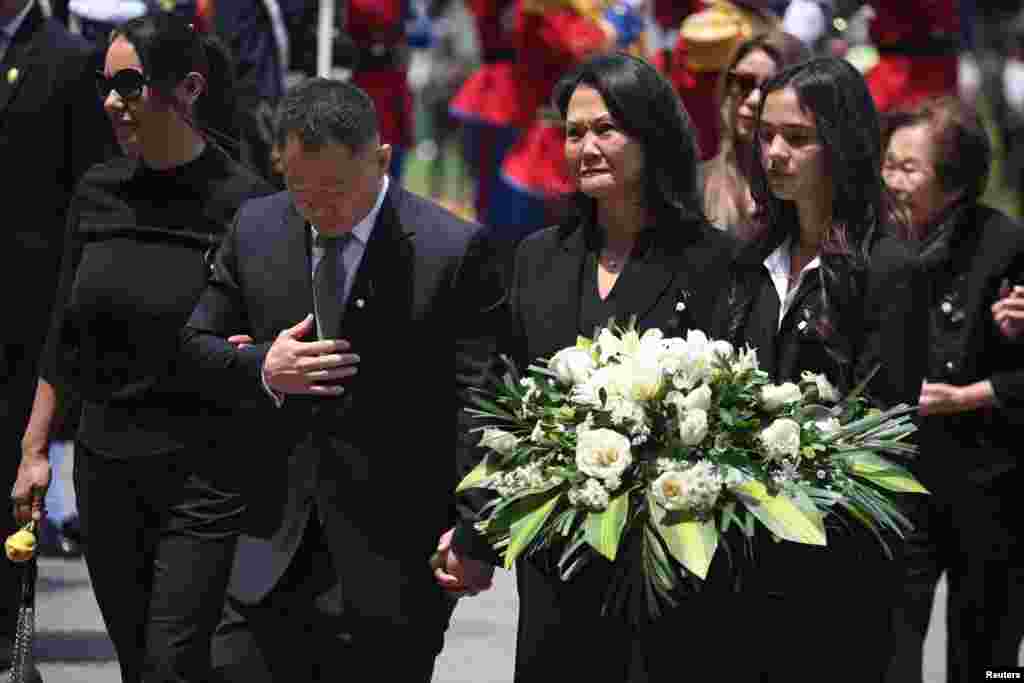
(648,109)
(835,94)
(837,97)
(170,48)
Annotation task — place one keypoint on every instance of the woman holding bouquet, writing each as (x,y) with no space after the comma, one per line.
(816,286)
(636,244)
(159,509)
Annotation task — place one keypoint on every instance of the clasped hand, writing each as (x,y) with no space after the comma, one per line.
(1008,312)
(459,575)
(293,366)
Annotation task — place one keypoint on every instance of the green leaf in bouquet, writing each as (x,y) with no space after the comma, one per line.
(866,520)
(885,473)
(575,555)
(604,528)
(782,515)
(729,518)
(481,472)
(491,408)
(525,529)
(691,542)
(658,564)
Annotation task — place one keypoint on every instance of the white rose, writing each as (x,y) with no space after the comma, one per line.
(499,440)
(695,488)
(669,491)
(826,392)
(698,399)
(693,427)
(602,453)
(774,397)
(572,366)
(781,439)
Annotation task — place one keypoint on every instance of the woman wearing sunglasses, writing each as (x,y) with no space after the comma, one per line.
(727,199)
(815,286)
(159,511)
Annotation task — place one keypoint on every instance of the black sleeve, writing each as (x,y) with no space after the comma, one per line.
(501,337)
(1008,384)
(49,366)
(206,355)
(895,327)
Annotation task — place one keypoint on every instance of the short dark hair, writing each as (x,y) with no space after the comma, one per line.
(322,111)
(647,107)
(963,153)
(837,96)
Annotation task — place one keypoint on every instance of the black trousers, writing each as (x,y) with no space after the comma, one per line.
(972,532)
(160,535)
(300,632)
(783,611)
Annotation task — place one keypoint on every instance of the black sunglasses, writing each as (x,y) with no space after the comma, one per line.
(128,83)
(743,84)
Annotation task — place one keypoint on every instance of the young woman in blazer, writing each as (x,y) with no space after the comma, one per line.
(817,286)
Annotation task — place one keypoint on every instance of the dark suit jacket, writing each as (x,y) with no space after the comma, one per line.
(681,263)
(986,246)
(883,324)
(52,128)
(416,317)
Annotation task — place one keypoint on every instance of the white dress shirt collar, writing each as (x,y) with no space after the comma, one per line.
(778,263)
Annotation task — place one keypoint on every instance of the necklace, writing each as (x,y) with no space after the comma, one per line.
(613,263)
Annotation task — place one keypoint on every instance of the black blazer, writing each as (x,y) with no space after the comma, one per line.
(52,128)
(681,264)
(986,246)
(885,324)
(416,316)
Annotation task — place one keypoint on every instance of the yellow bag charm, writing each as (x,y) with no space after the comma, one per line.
(21,545)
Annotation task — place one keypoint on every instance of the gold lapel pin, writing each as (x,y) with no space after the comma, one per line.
(12,75)
(360,303)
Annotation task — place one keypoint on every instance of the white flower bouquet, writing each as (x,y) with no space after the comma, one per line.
(671,442)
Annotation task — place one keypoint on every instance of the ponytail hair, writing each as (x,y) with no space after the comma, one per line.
(170,48)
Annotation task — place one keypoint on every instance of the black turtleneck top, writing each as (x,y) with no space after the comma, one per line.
(136,257)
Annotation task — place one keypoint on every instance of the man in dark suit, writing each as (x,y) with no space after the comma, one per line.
(52,128)
(384,300)
(937,165)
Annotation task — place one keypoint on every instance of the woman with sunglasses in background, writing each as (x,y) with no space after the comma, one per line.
(815,286)
(159,510)
(726,176)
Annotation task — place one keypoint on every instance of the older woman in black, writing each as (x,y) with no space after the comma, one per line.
(637,244)
(159,515)
(816,287)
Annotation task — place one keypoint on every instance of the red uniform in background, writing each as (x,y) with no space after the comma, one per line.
(495,103)
(377,27)
(550,41)
(918,45)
